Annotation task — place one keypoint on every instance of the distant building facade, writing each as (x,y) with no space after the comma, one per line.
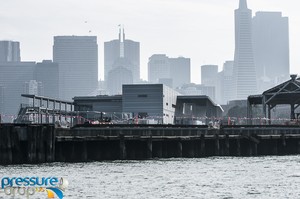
(121,53)
(174,72)
(158,68)
(10,51)
(77,57)
(197,89)
(47,72)
(209,75)
(119,75)
(271,48)
(18,78)
(244,69)
(180,71)
(224,89)
(153,100)
(12,79)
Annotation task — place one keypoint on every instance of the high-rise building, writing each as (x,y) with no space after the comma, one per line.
(180,71)
(119,75)
(125,49)
(271,48)
(209,75)
(224,89)
(173,72)
(47,73)
(1,99)
(10,51)
(13,76)
(244,70)
(18,78)
(77,57)
(33,87)
(158,68)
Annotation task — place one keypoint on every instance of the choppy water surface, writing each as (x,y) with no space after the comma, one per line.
(261,177)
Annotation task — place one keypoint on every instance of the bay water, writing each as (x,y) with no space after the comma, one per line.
(216,177)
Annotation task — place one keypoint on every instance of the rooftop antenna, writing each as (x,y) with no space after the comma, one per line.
(121,40)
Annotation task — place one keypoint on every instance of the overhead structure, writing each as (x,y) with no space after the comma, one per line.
(287,93)
(44,110)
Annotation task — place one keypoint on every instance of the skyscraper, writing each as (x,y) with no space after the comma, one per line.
(47,73)
(158,68)
(244,71)
(271,48)
(77,57)
(173,72)
(10,51)
(13,77)
(122,48)
(180,71)
(209,75)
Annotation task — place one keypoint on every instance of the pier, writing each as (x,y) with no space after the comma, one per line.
(34,144)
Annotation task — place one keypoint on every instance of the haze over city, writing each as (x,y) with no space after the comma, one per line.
(198,29)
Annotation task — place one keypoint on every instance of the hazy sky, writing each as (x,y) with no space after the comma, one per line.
(202,30)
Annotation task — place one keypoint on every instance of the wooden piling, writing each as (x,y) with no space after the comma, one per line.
(159,149)
(179,149)
(202,145)
(122,147)
(227,149)
(84,153)
(217,145)
(31,135)
(149,147)
(275,147)
(191,149)
(298,147)
(238,146)
(50,143)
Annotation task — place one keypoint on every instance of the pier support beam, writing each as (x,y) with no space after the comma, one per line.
(227,147)
(202,145)
(179,149)
(122,147)
(298,147)
(149,147)
(238,146)
(217,145)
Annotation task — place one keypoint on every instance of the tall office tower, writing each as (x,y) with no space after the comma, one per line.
(1,99)
(225,84)
(47,73)
(77,57)
(173,72)
(158,68)
(122,48)
(10,51)
(209,75)
(271,48)
(13,76)
(33,87)
(180,71)
(245,83)
(119,75)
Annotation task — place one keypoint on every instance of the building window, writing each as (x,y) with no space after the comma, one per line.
(143,95)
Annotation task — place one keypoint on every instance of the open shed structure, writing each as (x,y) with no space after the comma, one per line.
(287,93)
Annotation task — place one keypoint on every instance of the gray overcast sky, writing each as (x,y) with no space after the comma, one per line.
(202,30)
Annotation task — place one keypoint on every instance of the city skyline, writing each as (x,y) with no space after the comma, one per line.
(171,29)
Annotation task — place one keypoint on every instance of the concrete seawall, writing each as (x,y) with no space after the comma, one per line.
(34,144)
